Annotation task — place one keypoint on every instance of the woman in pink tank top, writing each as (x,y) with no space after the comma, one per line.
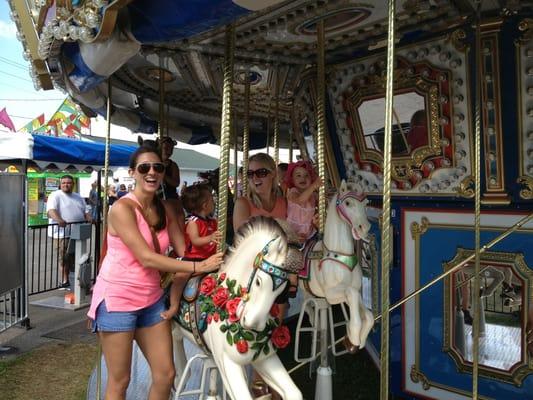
(127,297)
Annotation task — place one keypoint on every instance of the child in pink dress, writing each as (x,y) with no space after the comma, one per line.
(302,182)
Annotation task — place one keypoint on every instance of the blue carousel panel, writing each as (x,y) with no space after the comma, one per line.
(429,370)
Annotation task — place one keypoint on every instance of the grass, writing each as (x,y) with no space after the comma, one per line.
(58,371)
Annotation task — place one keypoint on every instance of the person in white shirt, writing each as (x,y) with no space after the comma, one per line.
(63,207)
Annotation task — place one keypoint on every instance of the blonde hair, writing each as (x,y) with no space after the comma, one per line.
(270,164)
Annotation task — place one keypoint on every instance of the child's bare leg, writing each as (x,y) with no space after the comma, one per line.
(178,283)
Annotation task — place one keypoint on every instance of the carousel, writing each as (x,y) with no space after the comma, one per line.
(418,115)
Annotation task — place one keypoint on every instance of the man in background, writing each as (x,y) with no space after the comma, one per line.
(64,207)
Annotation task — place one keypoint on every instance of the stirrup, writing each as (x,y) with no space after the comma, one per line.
(260,388)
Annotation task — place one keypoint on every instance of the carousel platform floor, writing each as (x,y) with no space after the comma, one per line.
(356,376)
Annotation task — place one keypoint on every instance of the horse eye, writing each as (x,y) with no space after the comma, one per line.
(257,282)
(347,203)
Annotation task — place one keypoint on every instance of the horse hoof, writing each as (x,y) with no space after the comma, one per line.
(349,346)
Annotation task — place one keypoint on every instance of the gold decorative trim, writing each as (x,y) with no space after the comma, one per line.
(457,38)
(466,188)
(517,263)
(527,192)
(418,376)
(417,229)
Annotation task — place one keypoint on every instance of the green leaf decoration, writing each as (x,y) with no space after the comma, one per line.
(249,336)
(223,328)
(256,355)
(233,328)
(266,349)
(261,335)
(237,337)
(229,339)
(256,346)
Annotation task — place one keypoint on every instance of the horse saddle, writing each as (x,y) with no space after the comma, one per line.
(308,255)
(189,315)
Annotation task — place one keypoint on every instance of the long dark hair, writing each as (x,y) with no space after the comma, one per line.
(158,204)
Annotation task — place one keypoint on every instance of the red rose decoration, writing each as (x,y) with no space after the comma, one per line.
(244,291)
(274,311)
(209,318)
(220,297)
(216,317)
(242,346)
(208,285)
(232,306)
(222,276)
(281,337)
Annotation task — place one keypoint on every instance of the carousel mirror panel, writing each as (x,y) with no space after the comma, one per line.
(504,289)
(437,333)
(431,152)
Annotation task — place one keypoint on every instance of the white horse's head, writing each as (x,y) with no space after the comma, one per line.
(262,246)
(350,206)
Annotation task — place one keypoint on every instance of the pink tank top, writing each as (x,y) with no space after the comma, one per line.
(279,210)
(300,218)
(123,282)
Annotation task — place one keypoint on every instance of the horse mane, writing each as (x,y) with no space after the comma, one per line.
(253,226)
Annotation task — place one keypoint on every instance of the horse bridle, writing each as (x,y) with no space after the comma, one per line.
(341,210)
(279,275)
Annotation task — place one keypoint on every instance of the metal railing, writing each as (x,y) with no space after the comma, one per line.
(44,249)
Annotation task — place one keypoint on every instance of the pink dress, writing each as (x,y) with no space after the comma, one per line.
(123,282)
(300,218)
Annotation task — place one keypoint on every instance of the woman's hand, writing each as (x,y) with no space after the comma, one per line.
(211,263)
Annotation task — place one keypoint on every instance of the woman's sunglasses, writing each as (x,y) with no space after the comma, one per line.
(260,173)
(144,168)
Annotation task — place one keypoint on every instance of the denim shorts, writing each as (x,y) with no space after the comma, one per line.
(127,321)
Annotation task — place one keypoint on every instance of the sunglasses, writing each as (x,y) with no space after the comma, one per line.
(144,168)
(260,173)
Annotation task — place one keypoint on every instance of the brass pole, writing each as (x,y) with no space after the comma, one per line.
(225,135)
(160,131)
(105,211)
(275,143)
(235,152)
(321,121)
(246,135)
(268,127)
(290,144)
(477,207)
(456,267)
(386,239)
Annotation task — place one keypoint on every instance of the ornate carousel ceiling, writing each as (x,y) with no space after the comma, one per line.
(77,45)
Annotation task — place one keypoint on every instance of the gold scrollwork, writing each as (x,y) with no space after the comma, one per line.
(418,376)
(527,192)
(417,229)
(466,187)
(525,26)
(457,38)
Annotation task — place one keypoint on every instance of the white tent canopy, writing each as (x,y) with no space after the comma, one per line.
(16,145)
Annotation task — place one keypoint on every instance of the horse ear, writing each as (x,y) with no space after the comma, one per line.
(344,187)
(140,140)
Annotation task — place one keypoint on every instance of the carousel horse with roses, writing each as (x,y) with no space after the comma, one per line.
(231,314)
(337,275)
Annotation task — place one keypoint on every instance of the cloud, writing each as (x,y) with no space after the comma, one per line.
(7,29)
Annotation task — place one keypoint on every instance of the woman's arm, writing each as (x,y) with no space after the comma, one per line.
(123,223)
(241,212)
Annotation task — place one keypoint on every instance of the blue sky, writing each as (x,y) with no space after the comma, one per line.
(17,94)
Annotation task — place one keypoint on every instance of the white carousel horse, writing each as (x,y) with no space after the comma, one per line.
(242,331)
(337,276)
